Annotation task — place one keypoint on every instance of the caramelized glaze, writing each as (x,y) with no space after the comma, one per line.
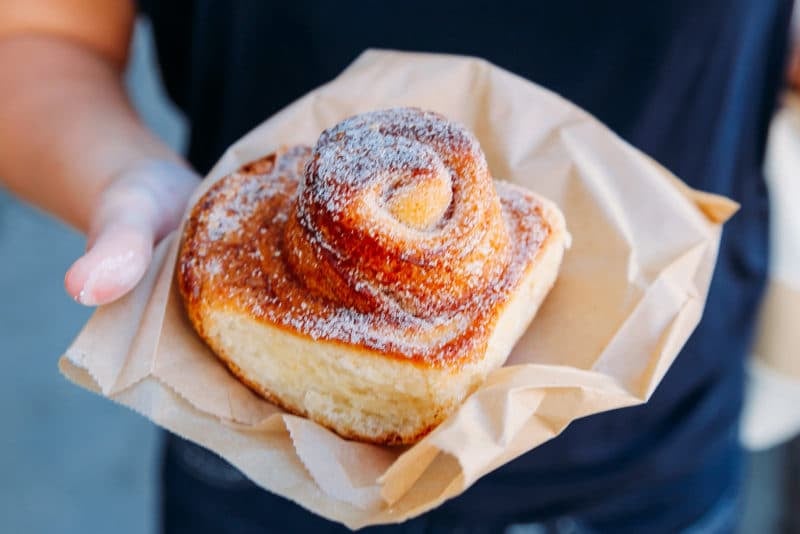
(312,241)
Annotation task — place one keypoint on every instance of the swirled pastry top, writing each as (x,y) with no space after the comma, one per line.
(390,234)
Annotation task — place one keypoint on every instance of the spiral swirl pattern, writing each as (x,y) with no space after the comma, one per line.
(397,210)
(372,282)
(390,234)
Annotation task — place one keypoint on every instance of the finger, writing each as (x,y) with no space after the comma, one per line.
(136,211)
(113,265)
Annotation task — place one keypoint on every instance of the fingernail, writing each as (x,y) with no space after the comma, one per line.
(110,278)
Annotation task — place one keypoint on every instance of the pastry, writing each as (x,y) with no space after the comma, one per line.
(370,283)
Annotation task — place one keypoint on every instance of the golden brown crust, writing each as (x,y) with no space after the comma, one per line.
(371,168)
(345,259)
(245,248)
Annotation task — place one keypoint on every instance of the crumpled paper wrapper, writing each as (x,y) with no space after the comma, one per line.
(630,291)
(772,408)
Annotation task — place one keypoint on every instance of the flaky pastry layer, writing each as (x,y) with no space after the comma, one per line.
(317,314)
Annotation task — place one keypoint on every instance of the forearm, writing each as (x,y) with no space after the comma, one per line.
(66,126)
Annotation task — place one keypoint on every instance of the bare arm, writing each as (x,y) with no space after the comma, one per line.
(71,143)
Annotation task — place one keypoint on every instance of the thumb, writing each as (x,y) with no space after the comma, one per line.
(134,212)
(113,265)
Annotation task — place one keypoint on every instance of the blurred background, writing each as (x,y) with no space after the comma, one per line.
(73,463)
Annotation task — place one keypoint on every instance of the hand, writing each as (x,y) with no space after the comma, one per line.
(135,211)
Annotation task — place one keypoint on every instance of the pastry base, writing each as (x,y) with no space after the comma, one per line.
(363,394)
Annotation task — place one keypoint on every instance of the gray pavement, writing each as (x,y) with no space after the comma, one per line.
(71,462)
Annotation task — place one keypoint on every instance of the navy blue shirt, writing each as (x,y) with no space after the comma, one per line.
(690,82)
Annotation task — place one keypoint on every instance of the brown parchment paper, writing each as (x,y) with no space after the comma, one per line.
(631,289)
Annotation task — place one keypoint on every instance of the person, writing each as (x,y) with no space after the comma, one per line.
(691,82)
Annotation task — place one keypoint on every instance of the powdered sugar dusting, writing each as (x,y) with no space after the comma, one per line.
(327,260)
(345,216)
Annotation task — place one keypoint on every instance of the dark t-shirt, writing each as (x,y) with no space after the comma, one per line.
(690,82)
